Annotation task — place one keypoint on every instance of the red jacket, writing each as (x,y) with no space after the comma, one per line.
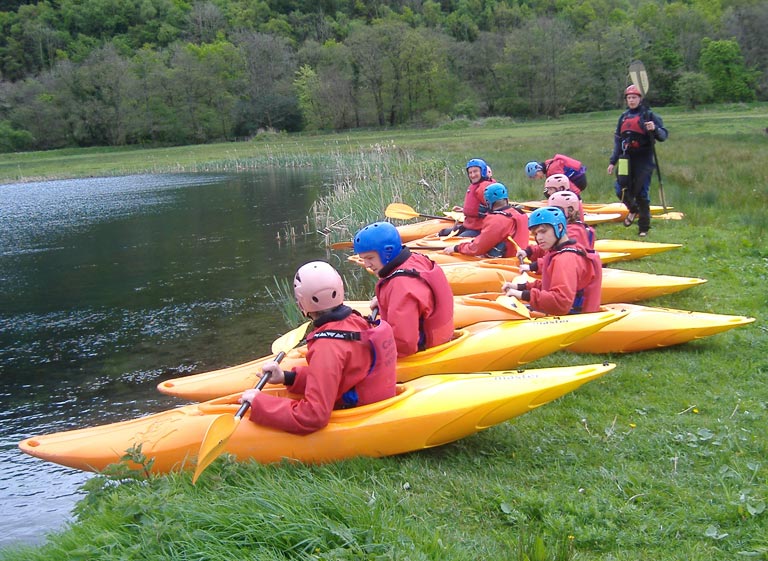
(472,200)
(415,298)
(334,367)
(570,167)
(571,279)
(499,225)
(584,234)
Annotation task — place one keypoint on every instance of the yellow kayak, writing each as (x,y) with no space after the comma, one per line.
(618,285)
(488,345)
(643,328)
(610,250)
(599,208)
(426,412)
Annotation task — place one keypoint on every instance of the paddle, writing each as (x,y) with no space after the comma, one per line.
(405,212)
(224,426)
(639,78)
(512,303)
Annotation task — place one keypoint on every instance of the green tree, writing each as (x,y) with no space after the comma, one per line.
(692,89)
(723,63)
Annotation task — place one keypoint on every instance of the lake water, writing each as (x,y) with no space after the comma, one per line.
(111,285)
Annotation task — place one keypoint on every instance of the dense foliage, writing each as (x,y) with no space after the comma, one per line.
(108,72)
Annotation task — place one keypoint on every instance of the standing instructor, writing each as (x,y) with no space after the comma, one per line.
(638,128)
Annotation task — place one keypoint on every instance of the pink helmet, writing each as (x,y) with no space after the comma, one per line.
(632,90)
(564,200)
(558,181)
(317,287)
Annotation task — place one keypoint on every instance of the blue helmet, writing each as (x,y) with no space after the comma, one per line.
(532,168)
(478,163)
(551,215)
(495,192)
(381,237)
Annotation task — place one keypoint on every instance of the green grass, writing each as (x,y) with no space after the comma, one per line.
(665,458)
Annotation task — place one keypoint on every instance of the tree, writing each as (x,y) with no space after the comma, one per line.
(723,63)
(692,89)
(266,90)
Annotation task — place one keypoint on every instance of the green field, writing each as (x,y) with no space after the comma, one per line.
(665,458)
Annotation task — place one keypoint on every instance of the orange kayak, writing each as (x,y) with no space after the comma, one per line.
(426,412)
(488,345)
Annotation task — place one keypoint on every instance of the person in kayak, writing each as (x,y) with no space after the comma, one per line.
(412,294)
(350,362)
(504,229)
(474,209)
(558,183)
(580,231)
(637,130)
(572,168)
(571,275)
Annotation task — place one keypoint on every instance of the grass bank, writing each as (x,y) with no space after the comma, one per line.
(664,458)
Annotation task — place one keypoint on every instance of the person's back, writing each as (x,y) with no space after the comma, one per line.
(416,299)
(413,294)
(349,363)
(504,230)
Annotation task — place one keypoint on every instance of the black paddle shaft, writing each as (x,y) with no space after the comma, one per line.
(262,382)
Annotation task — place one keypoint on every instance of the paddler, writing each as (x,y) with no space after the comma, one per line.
(474,209)
(349,361)
(504,229)
(573,169)
(571,275)
(412,295)
(633,148)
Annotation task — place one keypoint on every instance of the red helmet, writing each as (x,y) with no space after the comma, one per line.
(632,90)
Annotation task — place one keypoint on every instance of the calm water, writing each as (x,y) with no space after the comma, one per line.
(109,286)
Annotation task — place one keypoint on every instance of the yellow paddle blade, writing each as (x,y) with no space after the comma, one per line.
(289,340)
(670,216)
(512,303)
(214,441)
(639,76)
(400,211)
(341,245)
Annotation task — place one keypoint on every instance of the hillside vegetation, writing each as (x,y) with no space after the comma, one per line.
(155,72)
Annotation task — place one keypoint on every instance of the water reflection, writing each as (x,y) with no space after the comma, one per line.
(110,285)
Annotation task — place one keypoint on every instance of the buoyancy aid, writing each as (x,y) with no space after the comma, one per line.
(437,328)
(588,293)
(368,388)
(521,237)
(634,135)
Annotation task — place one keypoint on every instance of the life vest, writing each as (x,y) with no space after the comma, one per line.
(436,328)
(634,135)
(368,388)
(521,237)
(588,294)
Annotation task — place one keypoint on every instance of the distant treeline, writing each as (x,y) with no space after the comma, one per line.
(117,72)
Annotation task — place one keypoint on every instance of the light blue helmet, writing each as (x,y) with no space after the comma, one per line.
(381,237)
(495,192)
(551,215)
(478,163)
(532,168)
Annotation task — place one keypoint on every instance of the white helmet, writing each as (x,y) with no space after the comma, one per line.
(317,287)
